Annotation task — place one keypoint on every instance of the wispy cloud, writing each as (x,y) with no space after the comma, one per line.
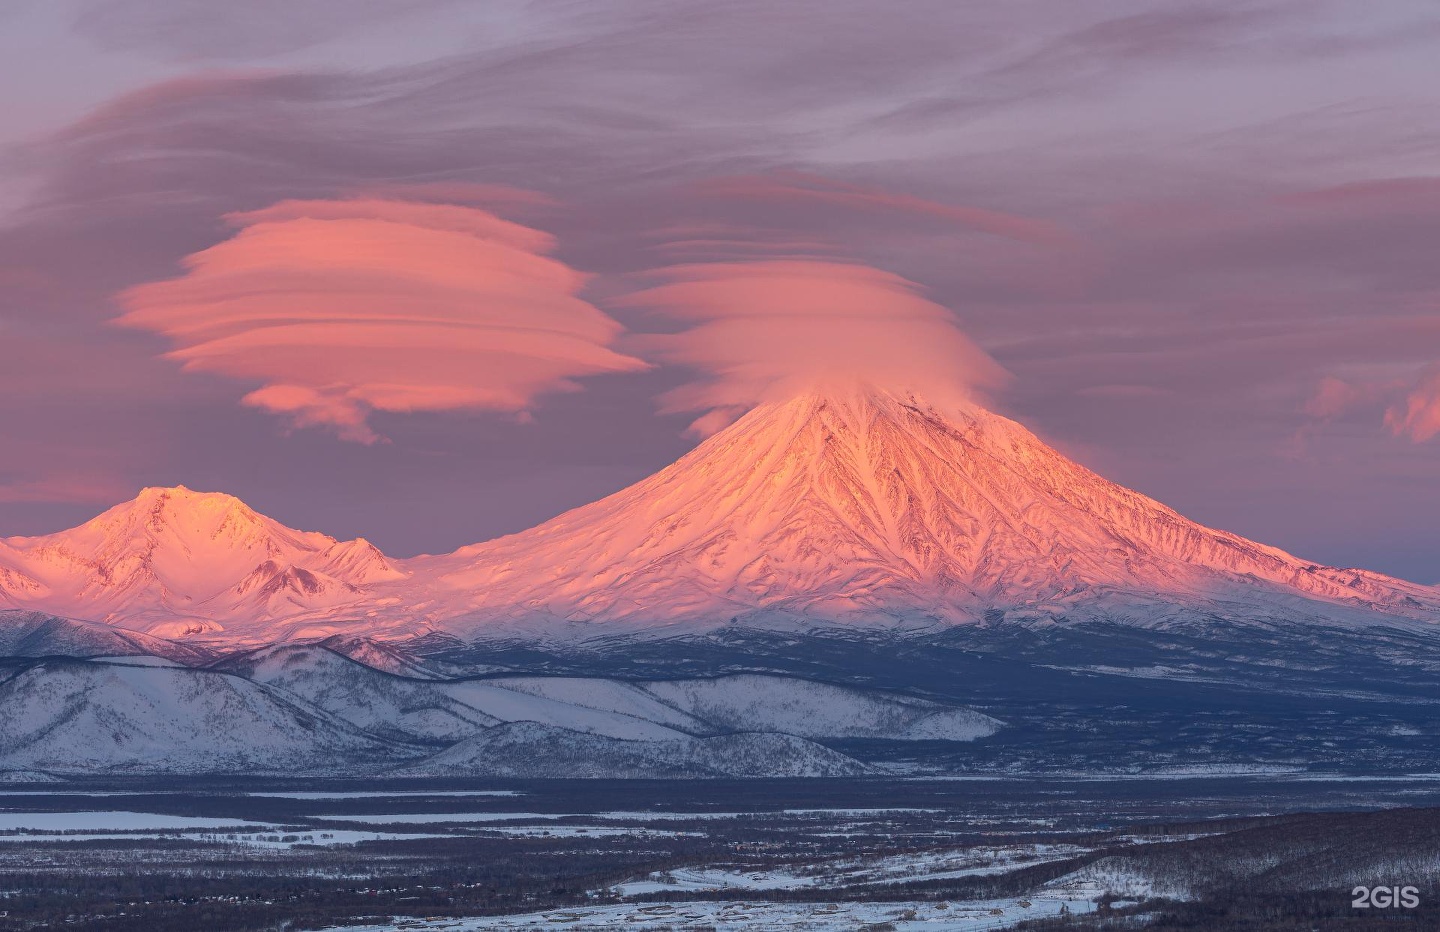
(197,30)
(800,187)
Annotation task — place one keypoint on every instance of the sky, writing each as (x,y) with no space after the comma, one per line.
(431,271)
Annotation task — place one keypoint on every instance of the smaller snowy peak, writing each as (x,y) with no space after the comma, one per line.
(301,582)
(359,561)
(159,512)
(179,562)
(167,529)
(273,579)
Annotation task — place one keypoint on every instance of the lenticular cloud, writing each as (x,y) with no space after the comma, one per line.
(765,331)
(341,308)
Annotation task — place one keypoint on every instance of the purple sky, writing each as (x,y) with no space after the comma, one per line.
(1202,239)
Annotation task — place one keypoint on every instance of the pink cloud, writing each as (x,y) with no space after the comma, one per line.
(1334,396)
(1411,405)
(1418,193)
(344,307)
(769,329)
(1418,416)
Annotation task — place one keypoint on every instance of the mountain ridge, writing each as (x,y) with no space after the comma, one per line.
(855,508)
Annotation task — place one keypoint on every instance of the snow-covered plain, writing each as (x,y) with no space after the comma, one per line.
(265,837)
(432,818)
(115,821)
(744,868)
(903,868)
(1116,878)
(87,826)
(729,916)
(376,794)
(634,816)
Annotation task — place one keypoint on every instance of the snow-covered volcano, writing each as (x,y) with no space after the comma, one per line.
(176,562)
(863,508)
(871,507)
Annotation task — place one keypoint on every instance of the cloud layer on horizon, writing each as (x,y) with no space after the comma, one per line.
(344,307)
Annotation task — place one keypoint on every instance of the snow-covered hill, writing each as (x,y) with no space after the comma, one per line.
(750,702)
(391,706)
(863,509)
(379,656)
(36,634)
(74,716)
(432,710)
(531,750)
(307,709)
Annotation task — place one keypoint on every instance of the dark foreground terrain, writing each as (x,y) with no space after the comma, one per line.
(1212,776)
(1277,852)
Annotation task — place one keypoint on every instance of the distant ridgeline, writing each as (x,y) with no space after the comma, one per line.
(863,511)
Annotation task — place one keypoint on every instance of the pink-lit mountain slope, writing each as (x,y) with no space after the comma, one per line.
(174,562)
(873,508)
(866,509)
